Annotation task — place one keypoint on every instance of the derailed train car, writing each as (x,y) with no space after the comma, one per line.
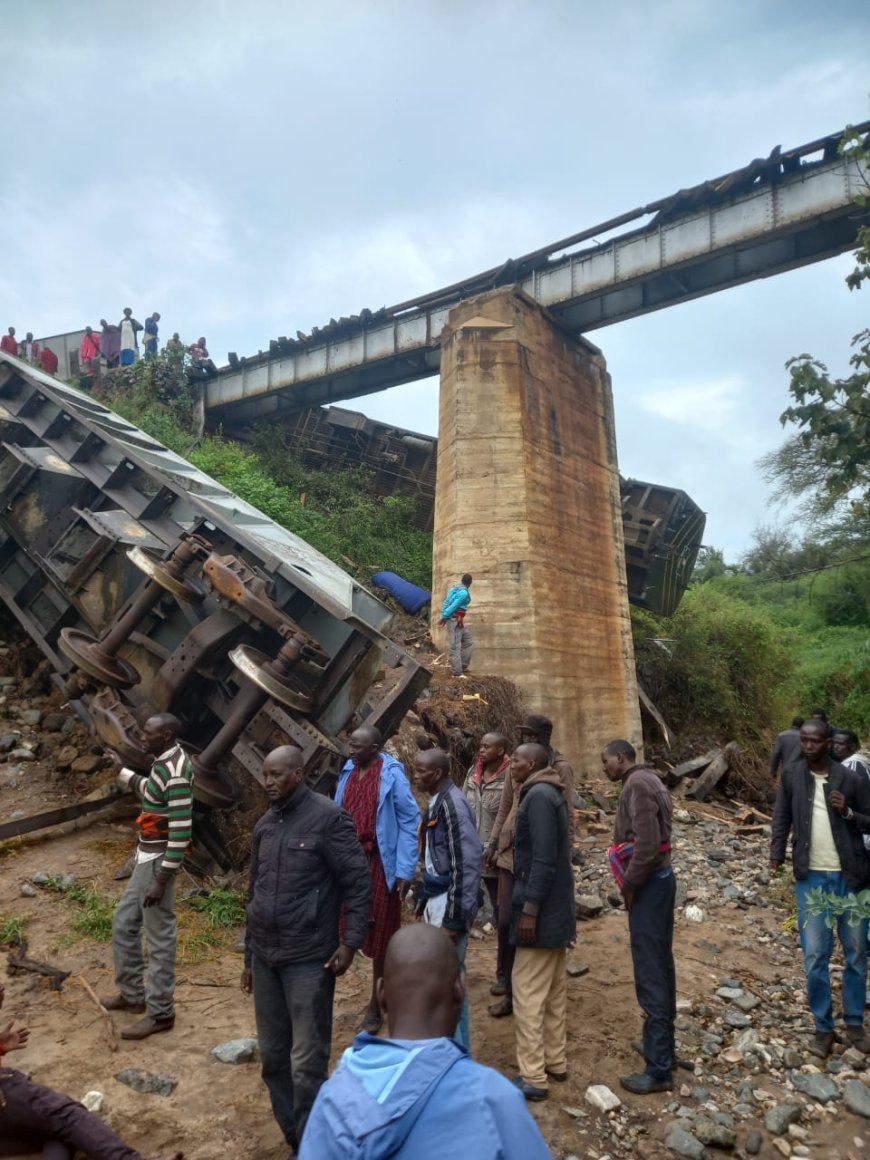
(151,588)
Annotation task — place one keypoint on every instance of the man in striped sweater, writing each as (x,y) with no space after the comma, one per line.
(149,900)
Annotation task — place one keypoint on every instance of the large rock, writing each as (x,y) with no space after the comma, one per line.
(588,905)
(678,1140)
(753,1142)
(778,1118)
(237,1051)
(147,1082)
(815,1085)
(601,1097)
(713,1134)
(53,722)
(87,763)
(856,1096)
(64,756)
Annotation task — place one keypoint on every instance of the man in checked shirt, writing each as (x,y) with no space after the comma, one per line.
(149,900)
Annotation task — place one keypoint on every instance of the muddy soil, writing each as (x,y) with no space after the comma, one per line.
(223,1110)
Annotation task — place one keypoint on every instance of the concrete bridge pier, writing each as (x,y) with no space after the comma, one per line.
(527,500)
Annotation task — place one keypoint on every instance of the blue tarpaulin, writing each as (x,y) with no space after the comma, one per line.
(408,595)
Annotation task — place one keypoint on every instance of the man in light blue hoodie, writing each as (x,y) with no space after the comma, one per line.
(418,1095)
(453,610)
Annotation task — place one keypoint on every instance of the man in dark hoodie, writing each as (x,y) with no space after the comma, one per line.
(543,922)
(418,1094)
(306,862)
(641,860)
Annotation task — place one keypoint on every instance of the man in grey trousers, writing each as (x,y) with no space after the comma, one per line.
(453,610)
(148,903)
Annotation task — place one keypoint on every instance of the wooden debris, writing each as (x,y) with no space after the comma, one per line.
(647,703)
(107,1017)
(673,777)
(747,815)
(713,774)
(18,962)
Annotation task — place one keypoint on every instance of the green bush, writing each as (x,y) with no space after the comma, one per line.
(718,666)
(334,510)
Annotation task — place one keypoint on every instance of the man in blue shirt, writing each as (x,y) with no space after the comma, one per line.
(418,1094)
(453,612)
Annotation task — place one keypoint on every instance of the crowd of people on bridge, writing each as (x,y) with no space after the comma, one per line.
(115,345)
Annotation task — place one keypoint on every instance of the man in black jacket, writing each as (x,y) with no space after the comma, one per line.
(306,861)
(543,922)
(826,806)
(788,746)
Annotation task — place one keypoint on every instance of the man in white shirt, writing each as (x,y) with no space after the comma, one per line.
(845,744)
(826,808)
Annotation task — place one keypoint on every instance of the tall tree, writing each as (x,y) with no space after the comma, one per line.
(827,461)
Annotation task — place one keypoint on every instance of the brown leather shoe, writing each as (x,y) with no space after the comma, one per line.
(147,1026)
(119,1003)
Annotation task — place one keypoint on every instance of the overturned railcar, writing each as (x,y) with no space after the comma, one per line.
(662,529)
(151,588)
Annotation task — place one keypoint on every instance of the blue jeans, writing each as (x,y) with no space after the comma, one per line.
(463,1029)
(651,930)
(817,944)
(293,1006)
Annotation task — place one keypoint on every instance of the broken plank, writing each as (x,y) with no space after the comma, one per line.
(647,702)
(695,763)
(712,775)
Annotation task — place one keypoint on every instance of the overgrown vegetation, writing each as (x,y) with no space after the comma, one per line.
(206,922)
(11,930)
(334,510)
(787,628)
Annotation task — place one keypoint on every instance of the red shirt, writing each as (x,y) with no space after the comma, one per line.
(9,344)
(90,347)
(48,360)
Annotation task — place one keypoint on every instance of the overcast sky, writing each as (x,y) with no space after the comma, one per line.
(252,168)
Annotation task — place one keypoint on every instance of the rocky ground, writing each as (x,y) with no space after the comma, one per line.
(742,1025)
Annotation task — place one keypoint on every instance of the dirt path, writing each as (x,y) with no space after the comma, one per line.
(223,1110)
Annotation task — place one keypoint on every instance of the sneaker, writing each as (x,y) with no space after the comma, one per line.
(644,1085)
(530,1091)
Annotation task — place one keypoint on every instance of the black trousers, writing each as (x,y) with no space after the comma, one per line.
(35,1118)
(651,927)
